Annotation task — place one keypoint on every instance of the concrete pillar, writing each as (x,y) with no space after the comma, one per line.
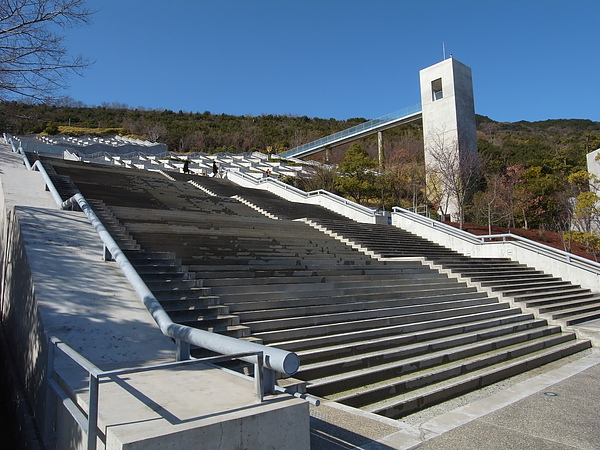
(449,129)
(380,151)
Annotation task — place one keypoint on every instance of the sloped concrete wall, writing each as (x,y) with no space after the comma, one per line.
(20,317)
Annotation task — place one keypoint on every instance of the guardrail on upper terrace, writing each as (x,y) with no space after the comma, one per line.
(541,249)
(303,196)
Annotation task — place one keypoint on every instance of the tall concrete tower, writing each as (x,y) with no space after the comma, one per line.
(449,130)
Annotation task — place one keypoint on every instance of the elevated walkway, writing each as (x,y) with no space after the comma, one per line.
(382,123)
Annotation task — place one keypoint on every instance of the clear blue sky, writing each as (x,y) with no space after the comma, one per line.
(531,60)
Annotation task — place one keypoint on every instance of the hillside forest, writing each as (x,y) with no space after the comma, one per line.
(530,175)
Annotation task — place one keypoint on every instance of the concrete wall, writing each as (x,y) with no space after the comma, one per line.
(593,165)
(20,317)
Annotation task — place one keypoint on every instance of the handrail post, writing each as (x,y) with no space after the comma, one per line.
(49,408)
(259,376)
(182,350)
(92,424)
(268,380)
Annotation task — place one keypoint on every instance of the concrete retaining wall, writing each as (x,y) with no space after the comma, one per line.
(21,319)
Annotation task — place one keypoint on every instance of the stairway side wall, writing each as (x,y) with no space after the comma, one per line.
(21,320)
(511,250)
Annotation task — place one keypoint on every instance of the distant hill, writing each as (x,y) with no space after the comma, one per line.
(181,131)
(539,156)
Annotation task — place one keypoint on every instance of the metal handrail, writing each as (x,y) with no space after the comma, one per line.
(559,255)
(276,360)
(305,195)
(88,420)
(15,149)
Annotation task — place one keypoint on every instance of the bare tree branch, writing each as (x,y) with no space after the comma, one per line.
(34,61)
(452,175)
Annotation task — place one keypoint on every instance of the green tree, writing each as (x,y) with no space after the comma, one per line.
(357,179)
(51,129)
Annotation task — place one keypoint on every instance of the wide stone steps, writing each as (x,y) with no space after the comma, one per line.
(318,329)
(308,276)
(290,266)
(159,272)
(531,294)
(577,316)
(567,310)
(175,282)
(517,278)
(417,371)
(216,264)
(491,273)
(355,344)
(571,299)
(199,303)
(457,379)
(343,311)
(443,325)
(341,285)
(232,260)
(217,314)
(530,286)
(341,301)
(393,394)
(501,275)
(343,318)
(365,356)
(425,289)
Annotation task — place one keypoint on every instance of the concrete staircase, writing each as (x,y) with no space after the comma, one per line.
(556,299)
(390,337)
(182,296)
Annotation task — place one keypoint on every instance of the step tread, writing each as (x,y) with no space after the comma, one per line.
(436,393)
(431,338)
(434,361)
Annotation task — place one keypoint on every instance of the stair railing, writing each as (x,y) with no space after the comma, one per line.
(19,149)
(88,419)
(303,196)
(275,360)
(551,252)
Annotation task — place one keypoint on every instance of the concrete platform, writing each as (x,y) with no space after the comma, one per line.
(87,303)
